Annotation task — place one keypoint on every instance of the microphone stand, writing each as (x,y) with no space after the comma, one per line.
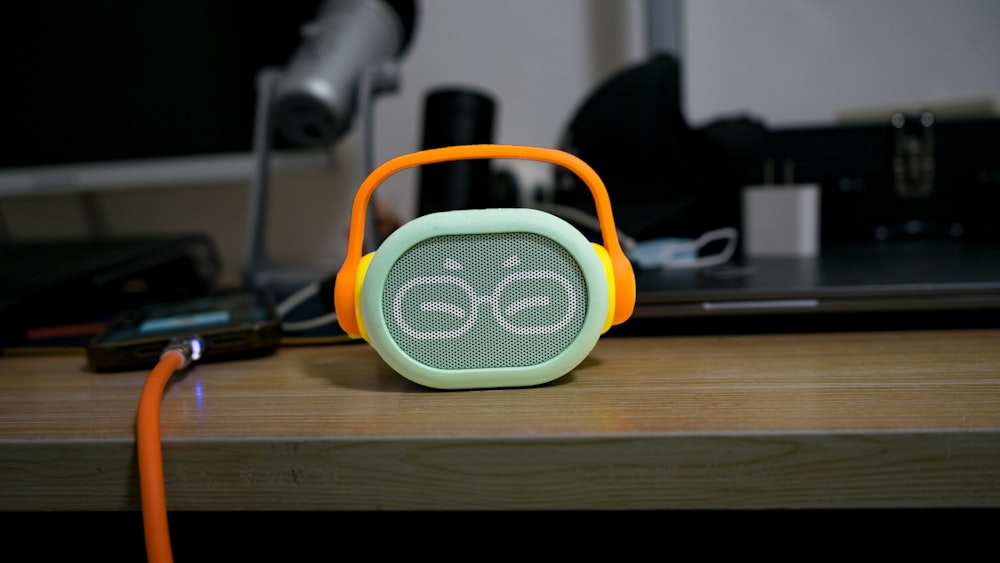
(259,270)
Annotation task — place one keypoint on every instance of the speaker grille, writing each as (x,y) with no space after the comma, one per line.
(492,300)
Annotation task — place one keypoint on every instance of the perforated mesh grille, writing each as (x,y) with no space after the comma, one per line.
(484,300)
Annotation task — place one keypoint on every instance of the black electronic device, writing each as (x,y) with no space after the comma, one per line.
(62,282)
(457,116)
(911,176)
(226,325)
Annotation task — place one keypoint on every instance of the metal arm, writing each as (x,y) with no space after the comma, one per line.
(258,267)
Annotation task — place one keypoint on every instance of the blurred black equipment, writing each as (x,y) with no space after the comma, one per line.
(456,116)
(913,175)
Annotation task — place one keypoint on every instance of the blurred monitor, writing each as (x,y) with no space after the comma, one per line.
(125,93)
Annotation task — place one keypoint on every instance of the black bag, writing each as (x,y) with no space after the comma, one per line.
(665,179)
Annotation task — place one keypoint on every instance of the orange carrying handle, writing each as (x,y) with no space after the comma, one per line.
(344,292)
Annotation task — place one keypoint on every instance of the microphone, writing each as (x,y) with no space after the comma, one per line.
(316,98)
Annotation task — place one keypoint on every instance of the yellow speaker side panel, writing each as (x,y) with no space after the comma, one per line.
(363,265)
(609,273)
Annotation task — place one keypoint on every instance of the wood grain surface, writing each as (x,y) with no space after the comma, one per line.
(823,420)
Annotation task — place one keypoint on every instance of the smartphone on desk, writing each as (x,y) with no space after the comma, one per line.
(230,325)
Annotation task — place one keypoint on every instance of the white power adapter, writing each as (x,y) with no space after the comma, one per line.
(781,220)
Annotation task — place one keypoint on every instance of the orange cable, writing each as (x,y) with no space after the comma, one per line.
(151,485)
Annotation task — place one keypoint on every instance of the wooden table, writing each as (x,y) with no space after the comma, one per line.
(754,421)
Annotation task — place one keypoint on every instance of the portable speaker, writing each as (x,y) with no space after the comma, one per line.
(486,297)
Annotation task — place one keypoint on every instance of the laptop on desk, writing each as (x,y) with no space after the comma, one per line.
(913,277)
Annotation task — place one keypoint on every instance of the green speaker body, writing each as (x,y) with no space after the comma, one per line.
(485,298)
